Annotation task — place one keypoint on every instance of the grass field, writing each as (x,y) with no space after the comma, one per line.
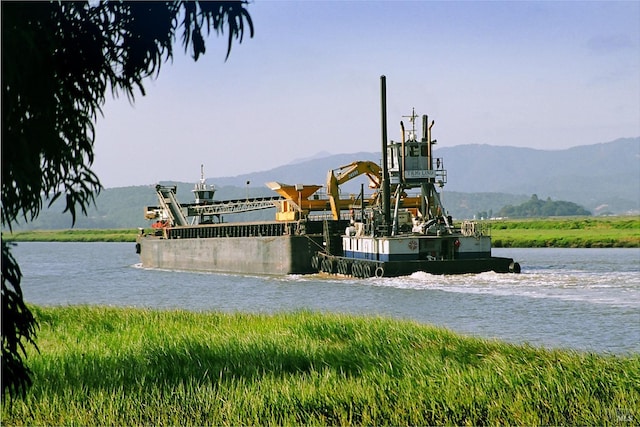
(574,232)
(117,366)
(73,235)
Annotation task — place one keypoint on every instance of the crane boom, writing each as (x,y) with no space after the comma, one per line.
(342,174)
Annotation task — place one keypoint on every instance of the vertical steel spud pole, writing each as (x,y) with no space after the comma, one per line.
(386,199)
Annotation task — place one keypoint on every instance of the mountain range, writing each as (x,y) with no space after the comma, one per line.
(603,178)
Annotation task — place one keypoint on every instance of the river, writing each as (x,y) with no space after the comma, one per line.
(583,299)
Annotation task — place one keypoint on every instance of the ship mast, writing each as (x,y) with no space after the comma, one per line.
(412,118)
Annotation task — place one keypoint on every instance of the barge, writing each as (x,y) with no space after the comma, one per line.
(399,229)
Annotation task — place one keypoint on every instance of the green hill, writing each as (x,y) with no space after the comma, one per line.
(602,178)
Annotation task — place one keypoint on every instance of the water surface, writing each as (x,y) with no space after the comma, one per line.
(585,299)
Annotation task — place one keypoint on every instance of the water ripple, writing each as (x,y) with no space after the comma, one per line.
(586,299)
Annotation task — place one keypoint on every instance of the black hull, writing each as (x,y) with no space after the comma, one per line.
(365,268)
(468,266)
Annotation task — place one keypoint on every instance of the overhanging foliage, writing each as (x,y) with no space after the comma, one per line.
(59,60)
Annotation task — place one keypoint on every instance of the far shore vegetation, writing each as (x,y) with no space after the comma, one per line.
(73,235)
(559,232)
(567,232)
(128,366)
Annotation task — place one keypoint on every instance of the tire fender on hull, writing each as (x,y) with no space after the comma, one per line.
(379,271)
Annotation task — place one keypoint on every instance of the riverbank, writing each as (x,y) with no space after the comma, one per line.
(111,366)
(561,232)
(567,232)
(72,235)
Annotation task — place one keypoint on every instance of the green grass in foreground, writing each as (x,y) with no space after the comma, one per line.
(108,366)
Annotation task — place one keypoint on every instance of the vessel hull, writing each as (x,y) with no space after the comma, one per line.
(272,255)
(367,268)
(457,266)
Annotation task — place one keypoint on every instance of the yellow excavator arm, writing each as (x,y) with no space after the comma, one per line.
(339,176)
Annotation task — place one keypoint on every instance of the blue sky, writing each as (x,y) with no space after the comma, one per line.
(545,75)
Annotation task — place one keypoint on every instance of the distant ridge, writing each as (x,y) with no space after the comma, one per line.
(603,178)
(595,176)
(318,155)
(311,171)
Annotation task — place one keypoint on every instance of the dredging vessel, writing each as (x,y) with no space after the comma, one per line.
(400,229)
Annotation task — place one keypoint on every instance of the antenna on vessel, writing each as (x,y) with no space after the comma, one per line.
(412,118)
(202,174)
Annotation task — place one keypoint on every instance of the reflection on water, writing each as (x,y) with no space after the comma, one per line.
(587,299)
